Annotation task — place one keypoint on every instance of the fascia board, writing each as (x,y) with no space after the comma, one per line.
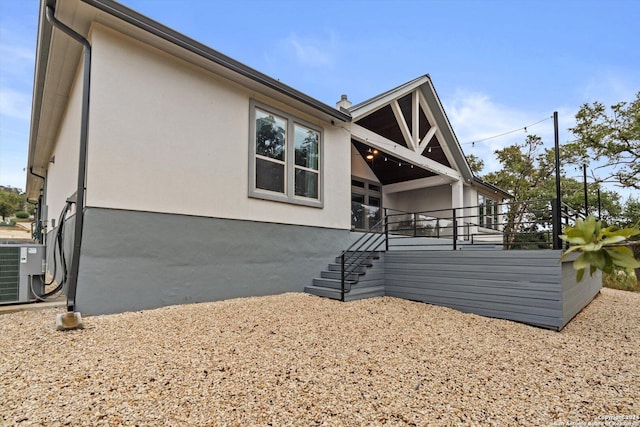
(371,105)
(432,98)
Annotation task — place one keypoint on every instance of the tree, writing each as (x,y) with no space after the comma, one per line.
(10,202)
(475,163)
(528,172)
(613,137)
(631,213)
(270,137)
(573,195)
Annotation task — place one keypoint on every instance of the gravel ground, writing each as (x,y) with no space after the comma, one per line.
(296,359)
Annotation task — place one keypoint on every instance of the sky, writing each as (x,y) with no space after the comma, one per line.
(497,65)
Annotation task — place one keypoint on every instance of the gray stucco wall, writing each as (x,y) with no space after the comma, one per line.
(138,260)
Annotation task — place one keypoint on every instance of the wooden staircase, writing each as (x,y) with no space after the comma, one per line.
(364,277)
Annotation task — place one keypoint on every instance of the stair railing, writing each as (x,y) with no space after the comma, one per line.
(361,250)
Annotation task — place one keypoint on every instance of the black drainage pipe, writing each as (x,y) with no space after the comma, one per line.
(82,162)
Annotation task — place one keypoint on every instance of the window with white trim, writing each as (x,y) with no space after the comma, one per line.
(488,212)
(285,157)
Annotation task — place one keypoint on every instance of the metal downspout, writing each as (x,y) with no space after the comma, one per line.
(82,162)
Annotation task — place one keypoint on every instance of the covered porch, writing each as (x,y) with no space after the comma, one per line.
(406,158)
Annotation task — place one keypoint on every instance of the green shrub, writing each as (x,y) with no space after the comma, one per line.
(11,223)
(22,214)
(621,280)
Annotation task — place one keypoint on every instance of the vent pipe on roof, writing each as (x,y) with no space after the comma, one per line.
(344,103)
(82,161)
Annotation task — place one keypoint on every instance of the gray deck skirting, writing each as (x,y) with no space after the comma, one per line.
(526,286)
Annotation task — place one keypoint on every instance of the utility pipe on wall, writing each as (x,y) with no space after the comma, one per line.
(82,161)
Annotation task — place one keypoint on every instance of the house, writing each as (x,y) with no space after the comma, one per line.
(181,175)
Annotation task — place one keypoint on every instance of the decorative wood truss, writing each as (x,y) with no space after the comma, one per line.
(417,137)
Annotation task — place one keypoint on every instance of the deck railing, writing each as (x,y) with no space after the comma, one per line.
(521,225)
(529,224)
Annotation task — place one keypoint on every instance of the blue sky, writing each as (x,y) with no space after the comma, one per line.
(497,65)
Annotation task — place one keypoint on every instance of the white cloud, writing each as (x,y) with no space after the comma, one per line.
(476,117)
(610,87)
(15,104)
(17,53)
(311,51)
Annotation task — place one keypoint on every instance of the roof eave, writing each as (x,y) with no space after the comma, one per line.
(43,43)
(141,22)
(491,187)
(153,27)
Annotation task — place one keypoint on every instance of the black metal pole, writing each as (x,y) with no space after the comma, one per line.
(82,161)
(599,206)
(455,230)
(557,220)
(386,230)
(586,197)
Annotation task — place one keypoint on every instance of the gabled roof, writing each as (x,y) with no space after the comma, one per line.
(438,126)
(371,104)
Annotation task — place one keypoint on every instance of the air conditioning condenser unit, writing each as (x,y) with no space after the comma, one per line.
(22,266)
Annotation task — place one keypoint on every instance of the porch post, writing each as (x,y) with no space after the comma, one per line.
(457,203)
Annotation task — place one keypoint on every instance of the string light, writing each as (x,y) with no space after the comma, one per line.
(372,151)
(473,143)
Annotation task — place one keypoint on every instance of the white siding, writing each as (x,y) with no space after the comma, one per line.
(167,136)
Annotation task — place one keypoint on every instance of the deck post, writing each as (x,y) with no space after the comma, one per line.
(557,202)
(415,231)
(557,223)
(455,230)
(386,230)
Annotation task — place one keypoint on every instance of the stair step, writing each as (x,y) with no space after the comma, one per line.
(363,293)
(333,283)
(353,295)
(350,255)
(353,269)
(321,291)
(336,275)
(375,254)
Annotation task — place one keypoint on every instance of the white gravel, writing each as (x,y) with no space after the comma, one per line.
(296,359)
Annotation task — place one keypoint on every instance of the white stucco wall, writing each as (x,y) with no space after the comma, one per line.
(167,136)
(62,171)
(360,168)
(420,200)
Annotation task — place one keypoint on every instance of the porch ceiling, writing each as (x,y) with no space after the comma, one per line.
(391,170)
(384,122)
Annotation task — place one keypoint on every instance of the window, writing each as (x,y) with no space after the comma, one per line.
(488,212)
(285,157)
(366,204)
